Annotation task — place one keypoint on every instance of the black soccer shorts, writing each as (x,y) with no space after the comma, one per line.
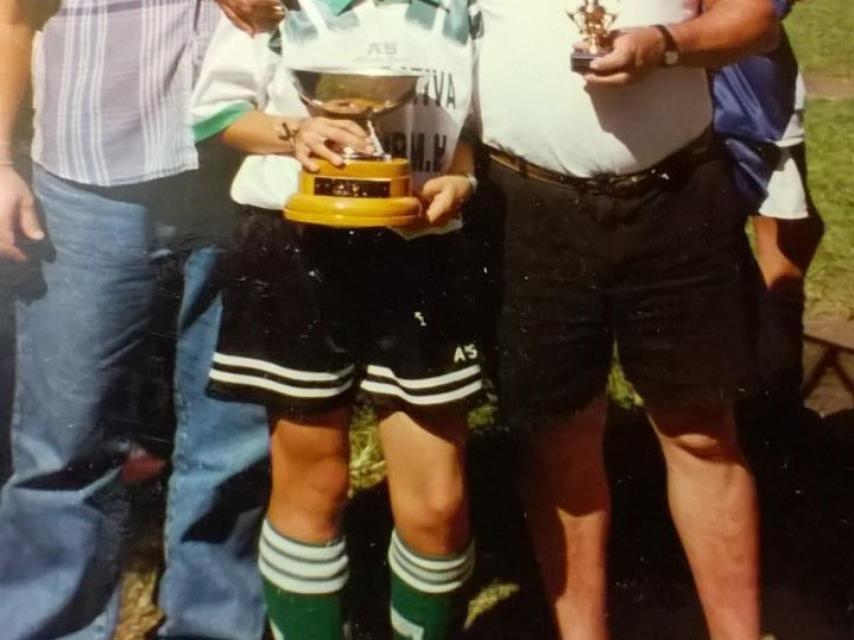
(311,314)
(665,276)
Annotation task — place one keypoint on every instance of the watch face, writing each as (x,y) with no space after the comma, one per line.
(671,58)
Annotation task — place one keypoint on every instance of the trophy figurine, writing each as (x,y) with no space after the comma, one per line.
(371,189)
(594,22)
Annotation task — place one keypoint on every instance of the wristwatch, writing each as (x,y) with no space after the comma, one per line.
(671,50)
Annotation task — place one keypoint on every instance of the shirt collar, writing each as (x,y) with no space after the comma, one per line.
(338,6)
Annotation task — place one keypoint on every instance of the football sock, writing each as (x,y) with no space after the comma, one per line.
(428,595)
(302,586)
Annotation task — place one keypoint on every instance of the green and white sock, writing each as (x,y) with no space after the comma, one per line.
(302,586)
(427,593)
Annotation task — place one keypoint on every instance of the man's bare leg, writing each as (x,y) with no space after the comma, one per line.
(568,511)
(713,502)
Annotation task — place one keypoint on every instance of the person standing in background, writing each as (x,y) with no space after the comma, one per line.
(759,109)
(115,189)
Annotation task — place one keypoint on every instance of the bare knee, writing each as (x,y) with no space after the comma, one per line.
(701,433)
(569,448)
(444,502)
(435,521)
(310,479)
(326,485)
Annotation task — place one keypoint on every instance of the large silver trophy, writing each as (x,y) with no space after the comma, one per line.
(372,189)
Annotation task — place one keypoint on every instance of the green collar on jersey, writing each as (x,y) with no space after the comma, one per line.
(340,6)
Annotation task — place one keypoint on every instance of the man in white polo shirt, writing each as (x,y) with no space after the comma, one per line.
(623,229)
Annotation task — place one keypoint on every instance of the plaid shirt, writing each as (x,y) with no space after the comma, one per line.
(112,81)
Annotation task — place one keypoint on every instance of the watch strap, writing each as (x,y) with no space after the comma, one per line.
(671,49)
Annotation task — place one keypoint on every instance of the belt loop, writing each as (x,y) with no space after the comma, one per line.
(523,167)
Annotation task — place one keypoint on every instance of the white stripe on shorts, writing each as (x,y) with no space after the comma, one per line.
(424,383)
(282,372)
(425,400)
(276,387)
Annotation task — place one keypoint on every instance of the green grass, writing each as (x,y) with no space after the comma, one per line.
(830,140)
(821,33)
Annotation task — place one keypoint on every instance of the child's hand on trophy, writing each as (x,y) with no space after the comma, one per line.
(327,138)
(444,196)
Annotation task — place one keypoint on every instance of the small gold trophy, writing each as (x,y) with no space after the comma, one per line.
(594,22)
(370,190)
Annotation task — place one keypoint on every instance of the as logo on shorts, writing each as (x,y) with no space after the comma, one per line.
(465,352)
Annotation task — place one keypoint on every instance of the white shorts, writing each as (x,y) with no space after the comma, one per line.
(787,197)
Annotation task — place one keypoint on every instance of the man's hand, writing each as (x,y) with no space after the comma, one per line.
(253,16)
(444,196)
(18,219)
(325,138)
(636,52)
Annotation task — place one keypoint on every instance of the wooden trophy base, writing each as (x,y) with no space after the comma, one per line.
(363,193)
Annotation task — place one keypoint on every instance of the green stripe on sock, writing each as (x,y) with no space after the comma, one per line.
(428,594)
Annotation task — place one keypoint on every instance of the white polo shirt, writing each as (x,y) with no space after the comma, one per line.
(533,105)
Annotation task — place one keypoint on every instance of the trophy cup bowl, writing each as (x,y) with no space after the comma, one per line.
(371,189)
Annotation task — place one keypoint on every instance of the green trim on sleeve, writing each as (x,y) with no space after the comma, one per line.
(220,121)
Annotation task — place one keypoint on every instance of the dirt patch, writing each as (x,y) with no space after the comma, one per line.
(821,87)
(829,364)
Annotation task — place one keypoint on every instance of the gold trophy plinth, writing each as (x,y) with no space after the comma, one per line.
(594,22)
(370,190)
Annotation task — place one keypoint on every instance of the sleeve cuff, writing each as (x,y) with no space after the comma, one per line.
(219,121)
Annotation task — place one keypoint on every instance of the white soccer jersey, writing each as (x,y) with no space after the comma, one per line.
(242,73)
(532,104)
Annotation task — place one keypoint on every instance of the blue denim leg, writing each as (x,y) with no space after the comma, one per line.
(7,374)
(63,511)
(218,490)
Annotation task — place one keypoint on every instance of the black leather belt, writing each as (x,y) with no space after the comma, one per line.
(672,167)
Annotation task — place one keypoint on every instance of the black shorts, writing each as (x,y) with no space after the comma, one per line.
(666,276)
(311,314)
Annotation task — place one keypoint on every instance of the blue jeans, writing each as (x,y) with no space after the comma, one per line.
(7,374)
(81,326)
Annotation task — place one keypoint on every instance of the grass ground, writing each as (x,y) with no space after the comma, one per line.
(830,131)
(821,33)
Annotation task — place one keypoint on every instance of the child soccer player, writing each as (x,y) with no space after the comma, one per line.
(312,313)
